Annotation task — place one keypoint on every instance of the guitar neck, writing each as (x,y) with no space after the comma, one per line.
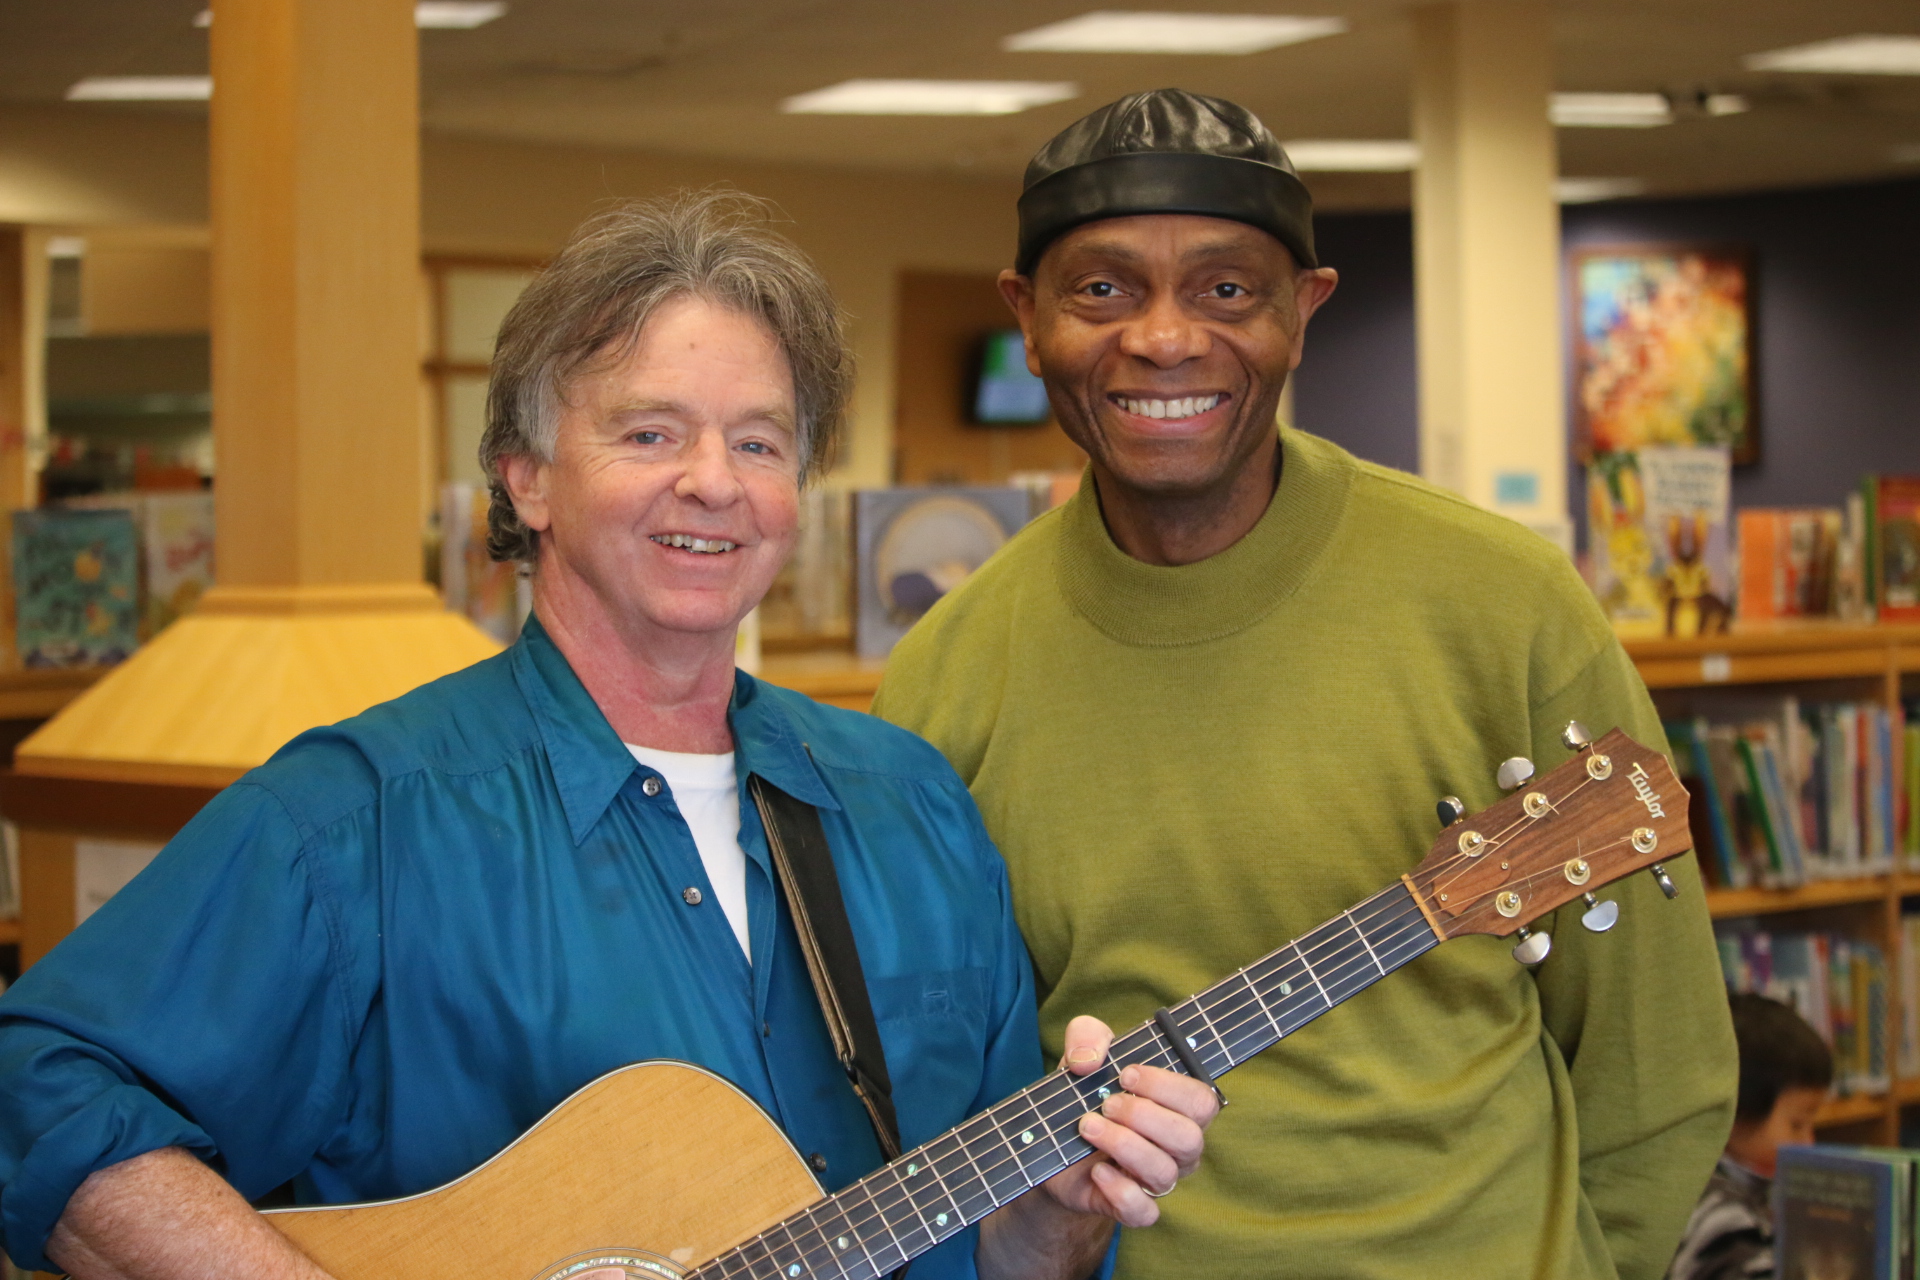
(893,1215)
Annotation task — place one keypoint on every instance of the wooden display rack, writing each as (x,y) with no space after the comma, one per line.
(1871,661)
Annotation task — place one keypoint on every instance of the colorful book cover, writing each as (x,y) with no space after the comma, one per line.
(494,595)
(1659,539)
(177,532)
(1844,1211)
(76,581)
(1714,829)
(1787,561)
(1895,562)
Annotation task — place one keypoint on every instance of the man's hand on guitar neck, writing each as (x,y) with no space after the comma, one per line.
(1150,1137)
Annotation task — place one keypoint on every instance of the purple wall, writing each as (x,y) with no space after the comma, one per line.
(1837,288)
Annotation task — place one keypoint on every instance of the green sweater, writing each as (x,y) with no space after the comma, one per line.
(1186,767)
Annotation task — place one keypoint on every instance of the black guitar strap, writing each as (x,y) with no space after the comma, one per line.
(805,866)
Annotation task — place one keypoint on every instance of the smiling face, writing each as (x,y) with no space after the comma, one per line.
(1165,341)
(673,495)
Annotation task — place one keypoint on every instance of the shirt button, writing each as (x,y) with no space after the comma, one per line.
(818,1161)
(651,786)
(690,896)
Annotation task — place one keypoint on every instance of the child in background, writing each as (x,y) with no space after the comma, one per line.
(1785,1070)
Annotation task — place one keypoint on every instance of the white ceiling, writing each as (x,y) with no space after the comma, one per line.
(705,77)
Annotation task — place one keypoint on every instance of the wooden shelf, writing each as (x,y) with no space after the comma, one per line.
(1725,903)
(9,933)
(1852,1110)
(1778,653)
(39,693)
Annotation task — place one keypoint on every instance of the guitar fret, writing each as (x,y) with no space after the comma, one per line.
(841,1239)
(1261,1000)
(1358,933)
(1310,973)
(975,1203)
(1007,1182)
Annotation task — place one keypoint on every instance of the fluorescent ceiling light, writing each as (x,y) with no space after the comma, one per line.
(929,97)
(1588,190)
(1848,55)
(456,15)
(142,89)
(1610,110)
(66,247)
(1905,153)
(1353,155)
(1120,31)
(440,15)
(1725,104)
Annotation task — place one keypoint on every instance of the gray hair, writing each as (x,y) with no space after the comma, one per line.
(587,308)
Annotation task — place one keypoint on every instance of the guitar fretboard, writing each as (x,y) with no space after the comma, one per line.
(898,1212)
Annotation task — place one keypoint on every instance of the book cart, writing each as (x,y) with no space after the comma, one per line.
(1815,662)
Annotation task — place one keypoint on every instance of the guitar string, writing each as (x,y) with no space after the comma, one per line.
(1504,836)
(1380,904)
(1409,925)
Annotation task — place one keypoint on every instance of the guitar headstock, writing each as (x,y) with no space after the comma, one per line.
(1614,809)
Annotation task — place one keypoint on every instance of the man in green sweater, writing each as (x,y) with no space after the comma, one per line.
(1210,702)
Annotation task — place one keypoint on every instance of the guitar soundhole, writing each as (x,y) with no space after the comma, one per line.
(613,1264)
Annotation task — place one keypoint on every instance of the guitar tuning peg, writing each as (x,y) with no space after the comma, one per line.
(1575,736)
(1665,881)
(1450,810)
(1600,916)
(1514,773)
(1532,947)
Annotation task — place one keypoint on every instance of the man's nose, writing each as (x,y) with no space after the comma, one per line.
(1165,333)
(709,477)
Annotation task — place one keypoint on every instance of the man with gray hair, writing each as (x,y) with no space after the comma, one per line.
(378,959)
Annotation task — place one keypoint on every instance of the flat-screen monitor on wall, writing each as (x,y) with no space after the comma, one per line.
(1005,393)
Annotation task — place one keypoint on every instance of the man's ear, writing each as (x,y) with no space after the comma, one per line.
(1018,291)
(1310,289)
(527,484)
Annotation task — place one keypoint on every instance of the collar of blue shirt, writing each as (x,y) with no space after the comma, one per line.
(590,764)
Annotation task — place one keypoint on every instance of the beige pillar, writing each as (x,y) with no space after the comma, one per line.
(320,609)
(22,342)
(1486,255)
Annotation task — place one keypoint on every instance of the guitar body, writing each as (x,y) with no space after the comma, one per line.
(660,1158)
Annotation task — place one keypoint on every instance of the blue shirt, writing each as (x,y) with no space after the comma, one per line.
(377,959)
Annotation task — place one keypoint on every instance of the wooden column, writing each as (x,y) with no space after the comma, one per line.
(320,610)
(1486,257)
(22,398)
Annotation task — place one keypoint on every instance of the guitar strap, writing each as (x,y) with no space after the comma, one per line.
(804,862)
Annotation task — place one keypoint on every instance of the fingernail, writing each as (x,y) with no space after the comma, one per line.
(1091,1125)
(1081,1057)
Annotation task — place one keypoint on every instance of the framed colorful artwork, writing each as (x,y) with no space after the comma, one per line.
(1663,348)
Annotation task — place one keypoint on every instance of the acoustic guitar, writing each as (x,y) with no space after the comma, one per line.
(662,1169)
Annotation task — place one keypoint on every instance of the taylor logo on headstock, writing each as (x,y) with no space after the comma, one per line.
(1643,787)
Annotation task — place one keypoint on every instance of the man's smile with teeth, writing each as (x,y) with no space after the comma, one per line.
(687,542)
(1189,407)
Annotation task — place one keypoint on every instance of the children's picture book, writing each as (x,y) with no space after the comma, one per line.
(1844,1211)
(177,545)
(1788,560)
(76,577)
(912,546)
(1893,545)
(1659,538)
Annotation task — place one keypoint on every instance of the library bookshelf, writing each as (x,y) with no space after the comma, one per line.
(1818,661)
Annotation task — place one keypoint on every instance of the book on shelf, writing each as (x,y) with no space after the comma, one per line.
(1893,545)
(76,577)
(175,533)
(1793,791)
(1844,1211)
(1787,561)
(1838,983)
(1662,548)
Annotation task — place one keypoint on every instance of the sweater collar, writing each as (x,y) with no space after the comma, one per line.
(1157,606)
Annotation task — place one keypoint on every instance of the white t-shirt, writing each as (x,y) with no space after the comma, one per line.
(707,792)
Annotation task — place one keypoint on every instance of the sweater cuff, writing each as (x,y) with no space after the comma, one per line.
(118,1124)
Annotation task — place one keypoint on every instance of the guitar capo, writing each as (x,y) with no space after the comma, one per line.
(1184,1052)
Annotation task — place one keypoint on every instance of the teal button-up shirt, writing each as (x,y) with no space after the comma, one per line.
(377,959)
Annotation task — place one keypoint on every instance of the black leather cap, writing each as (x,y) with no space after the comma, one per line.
(1167,151)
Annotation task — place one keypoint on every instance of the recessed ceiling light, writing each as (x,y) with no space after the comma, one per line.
(142,89)
(1725,104)
(1353,155)
(1121,31)
(456,15)
(1588,190)
(1848,55)
(441,15)
(1610,110)
(929,97)
(66,247)
(1905,153)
